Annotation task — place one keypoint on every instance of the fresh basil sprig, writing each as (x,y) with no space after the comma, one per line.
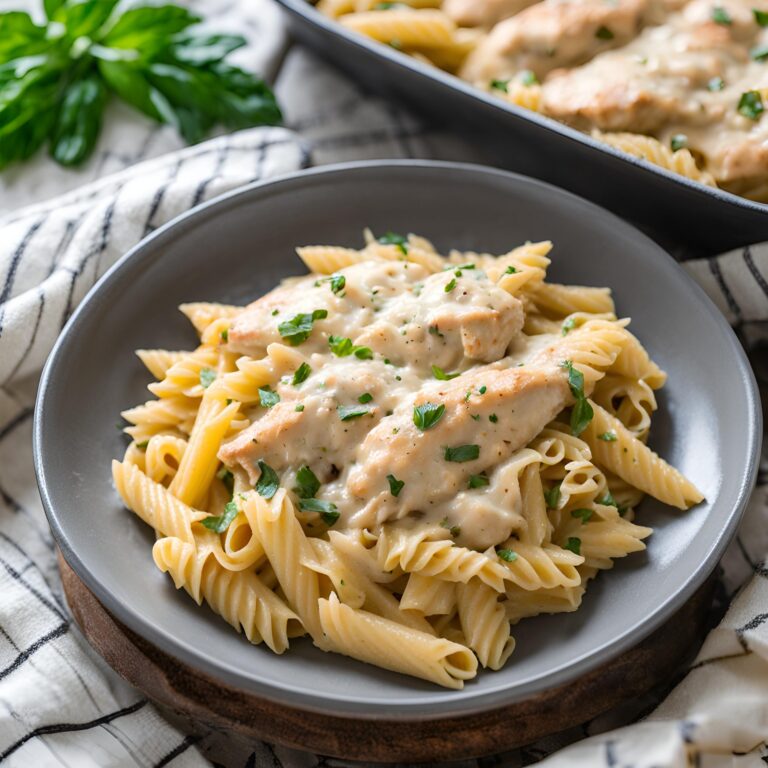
(57,77)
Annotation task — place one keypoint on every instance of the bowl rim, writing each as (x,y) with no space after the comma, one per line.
(346,705)
(307,11)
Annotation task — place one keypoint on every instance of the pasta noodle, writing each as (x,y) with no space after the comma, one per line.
(400,455)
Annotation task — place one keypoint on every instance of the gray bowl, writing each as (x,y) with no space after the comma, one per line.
(237,247)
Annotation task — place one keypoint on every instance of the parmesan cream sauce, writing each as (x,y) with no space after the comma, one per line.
(509,387)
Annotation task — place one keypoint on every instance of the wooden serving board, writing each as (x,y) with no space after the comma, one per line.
(200,698)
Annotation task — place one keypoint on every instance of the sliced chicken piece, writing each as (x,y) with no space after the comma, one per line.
(454,315)
(491,412)
(350,309)
(558,33)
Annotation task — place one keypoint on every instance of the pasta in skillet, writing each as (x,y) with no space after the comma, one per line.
(399,455)
(681,84)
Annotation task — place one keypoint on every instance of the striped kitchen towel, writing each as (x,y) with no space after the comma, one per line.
(60,705)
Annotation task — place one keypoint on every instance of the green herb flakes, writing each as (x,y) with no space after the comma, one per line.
(392,238)
(721,16)
(268,398)
(584,514)
(220,523)
(441,375)
(301,374)
(478,481)
(268,482)
(426,415)
(307,484)
(329,512)
(207,377)
(552,496)
(608,437)
(574,545)
(395,485)
(751,105)
(462,453)
(507,555)
(297,330)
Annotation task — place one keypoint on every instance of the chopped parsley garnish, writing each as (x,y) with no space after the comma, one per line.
(568,325)
(462,453)
(454,530)
(337,282)
(226,477)
(493,418)
(573,544)
(716,84)
(475,416)
(395,485)
(678,141)
(527,77)
(301,374)
(478,481)
(142,446)
(220,523)
(268,482)
(441,375)
(299,408)
(434,330)
(275,312)
(582,412)
(608,437)
(584,514)
(307,484)
(751,105)
(392,238)
(366,397)
(552,496)
(342,347)
(761,17)
(207,377)
(721,16)
(483,389)
(608,500)
(329,512)
(426,415)
(603,33)
(450,285)
(296,330)
(507,555)
(468,265)
(349,412)
(268,398)
(500,85)
(510,270)
(760,52)
(224,335)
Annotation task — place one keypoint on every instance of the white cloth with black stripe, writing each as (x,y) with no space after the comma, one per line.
(60,705)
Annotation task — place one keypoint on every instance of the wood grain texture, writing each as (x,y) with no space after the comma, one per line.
(201,698)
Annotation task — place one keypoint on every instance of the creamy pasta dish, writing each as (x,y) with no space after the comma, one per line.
(680,83)
(400,454)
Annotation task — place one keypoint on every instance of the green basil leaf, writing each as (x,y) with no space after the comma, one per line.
(426,415)
(84,18)
(581,415)
(268,398)
(462,453)
(79,121)
(574,545)
(20,36)
(298,328)
(147,28)
(268,482)
(349,412)
(226,477)
(199,50)
(395,485)
(329,512)
(220,523)
(307,483)
(552,496)
(301,374)
(392,238)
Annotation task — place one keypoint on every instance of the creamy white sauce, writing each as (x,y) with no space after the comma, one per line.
(508,388)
